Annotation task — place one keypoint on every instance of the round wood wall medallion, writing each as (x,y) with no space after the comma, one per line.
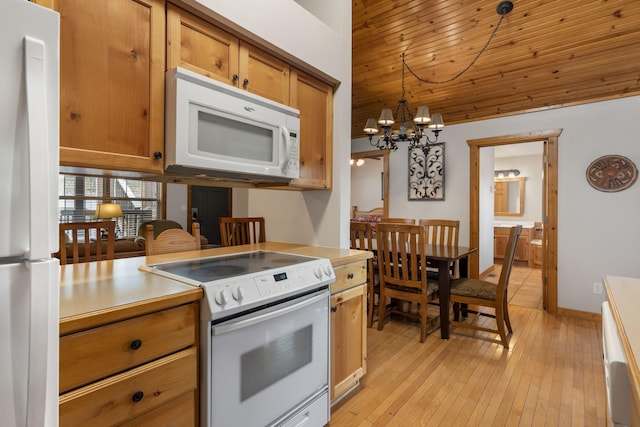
(612,173)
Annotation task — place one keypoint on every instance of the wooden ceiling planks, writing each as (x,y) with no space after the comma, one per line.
(545,54)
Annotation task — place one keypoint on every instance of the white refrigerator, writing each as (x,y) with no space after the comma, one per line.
(29,276)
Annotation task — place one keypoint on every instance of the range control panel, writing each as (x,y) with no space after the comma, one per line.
(234,295)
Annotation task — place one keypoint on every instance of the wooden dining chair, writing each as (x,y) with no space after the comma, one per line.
(93,237)
(443,232)
(487,294)
(402,274)
(361,237)
(172,240)
(241,231)
(398,220)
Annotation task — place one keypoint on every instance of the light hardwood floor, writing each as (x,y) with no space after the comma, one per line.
(552,374)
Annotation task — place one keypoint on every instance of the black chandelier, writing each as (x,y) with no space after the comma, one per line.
(412,128)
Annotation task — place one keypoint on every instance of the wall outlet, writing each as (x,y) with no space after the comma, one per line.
(597,288)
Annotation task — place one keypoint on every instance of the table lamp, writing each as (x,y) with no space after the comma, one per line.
(108,211)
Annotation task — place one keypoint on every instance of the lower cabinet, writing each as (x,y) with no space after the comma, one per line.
(501,237)
(348,328)
(138,371)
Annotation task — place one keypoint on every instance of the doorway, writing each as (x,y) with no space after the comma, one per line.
(206,205)
(384,180)
(549,208)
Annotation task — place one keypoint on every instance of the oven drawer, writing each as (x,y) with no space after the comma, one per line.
(94,354)
(131,393)
(350,275)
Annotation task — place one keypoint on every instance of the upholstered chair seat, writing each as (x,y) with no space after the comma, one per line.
(474,288)
(432,287)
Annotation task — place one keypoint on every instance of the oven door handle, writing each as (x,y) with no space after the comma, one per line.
(234,325)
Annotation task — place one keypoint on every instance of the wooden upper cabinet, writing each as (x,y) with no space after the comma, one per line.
(264,74)
(314,99)
(112,84)
(200,46)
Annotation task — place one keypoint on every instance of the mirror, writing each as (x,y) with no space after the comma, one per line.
(509,196)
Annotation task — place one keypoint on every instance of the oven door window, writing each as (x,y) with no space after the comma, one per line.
(262,369)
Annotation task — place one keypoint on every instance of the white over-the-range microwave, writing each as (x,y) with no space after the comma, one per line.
(217,130)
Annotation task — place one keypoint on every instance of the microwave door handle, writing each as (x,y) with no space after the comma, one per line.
(285,147)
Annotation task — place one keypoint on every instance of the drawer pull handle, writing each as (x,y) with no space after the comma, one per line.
(137,396)
(136,344)
(350,276)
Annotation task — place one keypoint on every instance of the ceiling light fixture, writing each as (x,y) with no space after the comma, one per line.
(415,132)
(506,173)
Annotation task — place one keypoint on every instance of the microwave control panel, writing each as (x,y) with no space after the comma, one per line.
(294,153)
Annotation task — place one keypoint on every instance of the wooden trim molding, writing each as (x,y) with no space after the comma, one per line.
(578,314)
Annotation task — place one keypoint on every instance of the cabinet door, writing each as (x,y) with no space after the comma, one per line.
(537,254)
(201,47)
(314,99)
(263,74)
(348,338)
(522,250)
(499,244)
(112,84)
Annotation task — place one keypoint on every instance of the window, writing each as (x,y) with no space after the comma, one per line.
(140,201)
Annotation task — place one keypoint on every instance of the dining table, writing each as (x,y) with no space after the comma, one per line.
(441,257)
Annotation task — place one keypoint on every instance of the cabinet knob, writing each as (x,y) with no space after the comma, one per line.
(334,309)
(157,155)
(245,82)
(350,276)
(235,77)
(137,396)
(136,344)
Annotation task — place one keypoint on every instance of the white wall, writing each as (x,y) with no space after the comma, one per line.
(177,204)
(598,233)
(312,217)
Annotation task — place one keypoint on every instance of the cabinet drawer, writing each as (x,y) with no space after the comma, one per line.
(349,275)
(180,412)
(131,393)
(94,354)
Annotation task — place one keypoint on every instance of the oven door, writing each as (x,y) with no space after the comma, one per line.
(264,366)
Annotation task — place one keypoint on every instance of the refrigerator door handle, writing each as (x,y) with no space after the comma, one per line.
(42,380)
(34,57)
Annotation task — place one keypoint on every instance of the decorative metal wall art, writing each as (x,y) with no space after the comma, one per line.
(612,173)
(426,172)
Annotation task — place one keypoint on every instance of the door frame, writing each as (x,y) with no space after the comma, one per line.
(549,208)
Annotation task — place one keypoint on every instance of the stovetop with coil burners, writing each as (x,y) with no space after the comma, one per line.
(240,282)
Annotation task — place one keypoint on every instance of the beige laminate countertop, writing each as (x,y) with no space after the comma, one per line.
(101,292)
(624,296)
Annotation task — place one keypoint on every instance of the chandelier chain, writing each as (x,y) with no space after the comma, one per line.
(465,69)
